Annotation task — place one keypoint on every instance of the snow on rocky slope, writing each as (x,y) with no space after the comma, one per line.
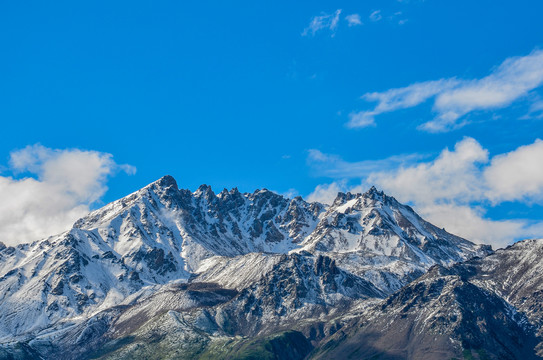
(368,244)
(387,243)
(486,307)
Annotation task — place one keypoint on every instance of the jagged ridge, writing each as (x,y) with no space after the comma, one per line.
(288,259)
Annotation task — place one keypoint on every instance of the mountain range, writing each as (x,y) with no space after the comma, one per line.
(166,273)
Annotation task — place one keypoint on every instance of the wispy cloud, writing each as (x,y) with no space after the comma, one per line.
(535,111)
(396,99)
(330,22)
(290,193)
(323,21)
(353,20)
(454,98)
(455,189)
(60,187)
(376,15)
(335,167)
(362,119)
(396,15)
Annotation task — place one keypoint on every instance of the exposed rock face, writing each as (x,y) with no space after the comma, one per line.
(215,268)
(487,307)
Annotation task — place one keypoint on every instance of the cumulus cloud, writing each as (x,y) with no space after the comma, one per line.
(57,187)
(454,98)
(517,175)
(472,223)
(455,189)
(453,175)
(323,21)
(326,193)
(353,20)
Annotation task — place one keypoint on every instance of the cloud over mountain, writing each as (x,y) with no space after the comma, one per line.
(455,189)
(54,188)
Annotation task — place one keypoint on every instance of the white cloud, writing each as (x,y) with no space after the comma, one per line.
(466,174)
(517,175)
(453,175)
(326,193)
(454,98)
(401,98)
(376,15)
(397,14)
(290,193)
(455,189)
(324,21)
(67,182)
(362,119)
(353,19)
(537,107)
(535,111)
(472,224)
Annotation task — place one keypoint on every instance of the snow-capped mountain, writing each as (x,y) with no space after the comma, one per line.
(280,260)
(488,307)
(156,235)
(376,237)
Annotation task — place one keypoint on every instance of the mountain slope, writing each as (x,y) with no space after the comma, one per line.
(156,235)
(287,262)
(489,307)
(387,243)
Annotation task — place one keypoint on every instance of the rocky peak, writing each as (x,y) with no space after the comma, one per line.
(166,185)
(342,198)
(166,182)
(374,196)
(226,194)
(205,191)
(264,193)
(371,198)
(373,193)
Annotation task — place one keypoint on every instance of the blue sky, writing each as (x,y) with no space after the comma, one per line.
(291,97)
